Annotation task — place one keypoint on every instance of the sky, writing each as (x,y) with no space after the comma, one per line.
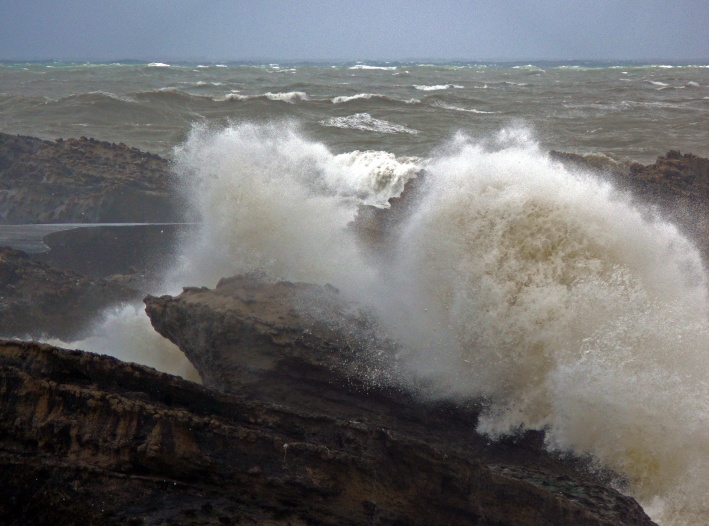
(317,30)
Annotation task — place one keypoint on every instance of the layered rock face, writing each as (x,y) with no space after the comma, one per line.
(83,181)
(41,301)
(300,348)
(86,439)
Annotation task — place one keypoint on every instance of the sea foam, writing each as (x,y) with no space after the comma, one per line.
(365,122)
(545,293)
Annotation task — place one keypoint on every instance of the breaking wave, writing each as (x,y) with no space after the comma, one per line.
(290,97)
(545,293)
(365,122)
(271,200)
(437,87)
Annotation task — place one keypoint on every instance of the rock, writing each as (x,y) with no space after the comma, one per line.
(88,439)
(299,347)
(40,301)
(83,181)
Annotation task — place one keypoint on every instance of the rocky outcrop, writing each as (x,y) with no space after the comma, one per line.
(83,181)
(86,439)
(40,301)
(302,349)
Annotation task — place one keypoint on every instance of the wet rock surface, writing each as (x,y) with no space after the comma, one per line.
(83,181)
(86,439)
(37,300)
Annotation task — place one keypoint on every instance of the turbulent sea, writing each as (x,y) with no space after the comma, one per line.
(514,280)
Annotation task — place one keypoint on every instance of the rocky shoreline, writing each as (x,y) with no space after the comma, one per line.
(296,423)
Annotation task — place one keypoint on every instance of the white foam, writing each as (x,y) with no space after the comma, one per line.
(365,122)
(446,106)
(125,332)
(382,68)
(437,87)
(365,96)
(268,199)
(551,297)
(158,65)
(290,96)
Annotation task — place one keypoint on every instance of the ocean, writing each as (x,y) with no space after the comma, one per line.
(623,110)
(539,289)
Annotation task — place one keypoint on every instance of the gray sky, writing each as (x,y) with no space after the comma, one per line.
(354,29)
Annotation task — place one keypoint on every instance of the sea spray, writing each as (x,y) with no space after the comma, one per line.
(269,200)
(545,293)
(124,332)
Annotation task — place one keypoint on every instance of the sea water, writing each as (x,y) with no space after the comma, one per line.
(512,279)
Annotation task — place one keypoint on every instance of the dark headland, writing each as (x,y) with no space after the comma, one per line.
(292,425)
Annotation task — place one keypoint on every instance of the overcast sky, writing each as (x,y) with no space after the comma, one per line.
(354,29)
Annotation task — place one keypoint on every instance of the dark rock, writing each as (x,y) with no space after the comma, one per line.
(40,301)
(80,181)
(86,439)
(301,348)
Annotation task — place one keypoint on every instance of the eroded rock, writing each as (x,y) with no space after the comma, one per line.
(88,439)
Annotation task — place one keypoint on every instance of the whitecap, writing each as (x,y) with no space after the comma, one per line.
(290,97)
(424,87)
(382,68)
(158,65)
(446,106)
(345,98)
(365,122)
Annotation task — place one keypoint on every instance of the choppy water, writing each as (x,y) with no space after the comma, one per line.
(634,111)
(513,280)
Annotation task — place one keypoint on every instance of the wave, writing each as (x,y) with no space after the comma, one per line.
(290,97)
(382,68)
(271,200)
(343,98)
(158,65)
(95,96)
(531,68)
(447,106)
(548,295)
(436,87)
(365,122)
(369,96)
